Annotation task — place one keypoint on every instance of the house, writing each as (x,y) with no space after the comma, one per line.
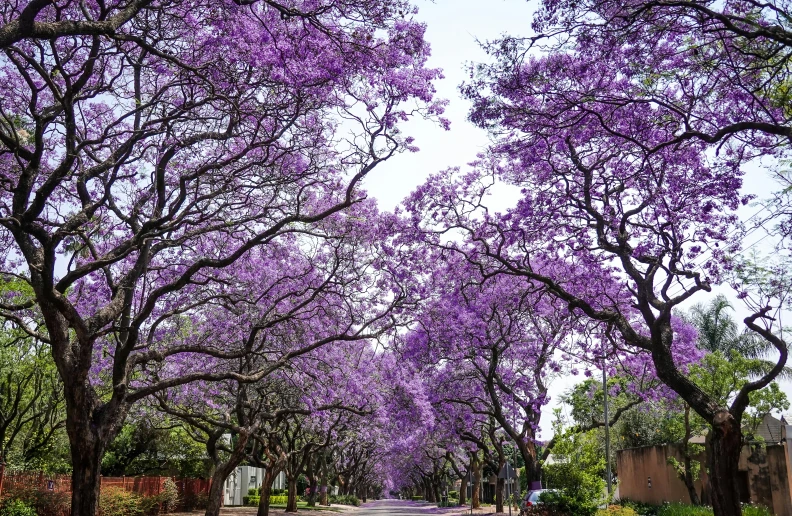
(244,478)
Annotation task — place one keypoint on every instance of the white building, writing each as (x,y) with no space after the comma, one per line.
(245,478)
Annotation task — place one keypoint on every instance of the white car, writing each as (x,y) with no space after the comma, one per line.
(532,498)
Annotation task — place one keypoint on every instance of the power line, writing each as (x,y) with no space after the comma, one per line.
(682,289)
(703,257)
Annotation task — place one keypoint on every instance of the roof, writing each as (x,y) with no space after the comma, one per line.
(771,429)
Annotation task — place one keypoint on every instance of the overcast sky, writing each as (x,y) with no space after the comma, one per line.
(453,28)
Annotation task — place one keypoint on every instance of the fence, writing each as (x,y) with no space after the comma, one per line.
(189,488)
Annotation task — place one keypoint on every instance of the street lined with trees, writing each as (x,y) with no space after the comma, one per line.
(194,277)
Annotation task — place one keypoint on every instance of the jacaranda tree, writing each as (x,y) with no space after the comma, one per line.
(147,144)
(628,201)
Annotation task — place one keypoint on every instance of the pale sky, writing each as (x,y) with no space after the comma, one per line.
(453,27)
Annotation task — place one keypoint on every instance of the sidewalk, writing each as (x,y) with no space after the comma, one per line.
(251,511)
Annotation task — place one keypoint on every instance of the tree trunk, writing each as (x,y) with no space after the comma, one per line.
(475,498)
(313,489)
(88,440)
(528,452)
(312,483)
(216,494)
(323,494)
(266,490)
(430,494)
(725,444)
(688,474)
(463,491)
(499,494)
(86,463)
(222,472)
(291,503)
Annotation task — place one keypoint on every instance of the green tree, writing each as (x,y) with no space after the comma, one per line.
(153,444)
(575,469)
(31,404)
(719,332)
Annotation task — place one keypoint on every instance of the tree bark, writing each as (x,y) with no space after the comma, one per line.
(222,472)
(499,484)
(323,488)
(475,495)
(86,463)
(88,440)
(266,491)
(291,503)
(529,456)
(688,474)
(725,444)
(312,482)
(216,494)
(463,491)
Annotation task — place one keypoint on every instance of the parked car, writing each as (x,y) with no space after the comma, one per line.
(532,498)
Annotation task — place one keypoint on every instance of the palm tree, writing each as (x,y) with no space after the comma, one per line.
(718,331)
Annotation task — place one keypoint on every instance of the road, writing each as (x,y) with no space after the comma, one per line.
(406,508)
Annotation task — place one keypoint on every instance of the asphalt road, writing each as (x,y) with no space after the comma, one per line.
(403,508)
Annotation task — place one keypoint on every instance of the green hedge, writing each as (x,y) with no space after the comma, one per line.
(344,500)
(254,500)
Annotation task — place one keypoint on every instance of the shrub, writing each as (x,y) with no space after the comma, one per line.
(755,510)
(418,498)
(149,505)
(51,503)
(169,496)
(44,503)
(16,508)
(251,500)
(253,491)
(200,500)
(679,509)
(453,494)
(543,510)
(570,501)
(344,500)
(643,509)
(279,500)
(577,476)
(617,510)
(114,501)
